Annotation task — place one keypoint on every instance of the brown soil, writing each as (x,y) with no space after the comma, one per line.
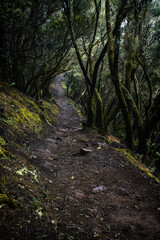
(90,191)
(97,194)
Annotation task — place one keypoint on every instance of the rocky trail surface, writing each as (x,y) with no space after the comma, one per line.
(96,193)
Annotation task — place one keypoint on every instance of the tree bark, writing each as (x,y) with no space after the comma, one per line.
(113,56)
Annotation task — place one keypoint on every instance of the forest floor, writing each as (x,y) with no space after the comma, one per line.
(95,192)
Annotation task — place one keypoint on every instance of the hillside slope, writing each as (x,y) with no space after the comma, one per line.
(60,181)
(21,188)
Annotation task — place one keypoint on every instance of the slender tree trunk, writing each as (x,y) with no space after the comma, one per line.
(113,56)
(67,9)
(99,111)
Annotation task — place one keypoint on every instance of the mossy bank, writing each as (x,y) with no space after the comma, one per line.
(22,187)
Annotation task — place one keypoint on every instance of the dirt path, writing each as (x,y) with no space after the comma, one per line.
(96,194)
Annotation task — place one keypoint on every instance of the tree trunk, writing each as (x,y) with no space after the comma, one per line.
(113,56)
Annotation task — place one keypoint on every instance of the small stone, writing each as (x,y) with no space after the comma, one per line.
(59,138)
(136,207)
(158,209)
(88,145)
(98,189)
(100,145)
(63,130)
(123,191)
(82,231)
(50,140)
(33,157)
(79,194)
(85,151)
(58,206)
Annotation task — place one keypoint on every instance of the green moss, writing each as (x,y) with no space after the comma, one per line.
(2,154)
(81,139)
(21,114)
(127,156)
(21,109)
(20,117)
(2,141)
(30,117)
(79,113)
(5,154)
(50,111)
(63,84)
(108,140)
(4,199)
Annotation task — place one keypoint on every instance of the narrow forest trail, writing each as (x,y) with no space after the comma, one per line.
(96,194)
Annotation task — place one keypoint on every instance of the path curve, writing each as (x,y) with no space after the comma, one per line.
(96,194)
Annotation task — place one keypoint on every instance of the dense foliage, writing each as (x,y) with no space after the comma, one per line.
(33,49)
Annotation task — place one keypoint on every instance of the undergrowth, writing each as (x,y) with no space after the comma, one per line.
(126,154)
